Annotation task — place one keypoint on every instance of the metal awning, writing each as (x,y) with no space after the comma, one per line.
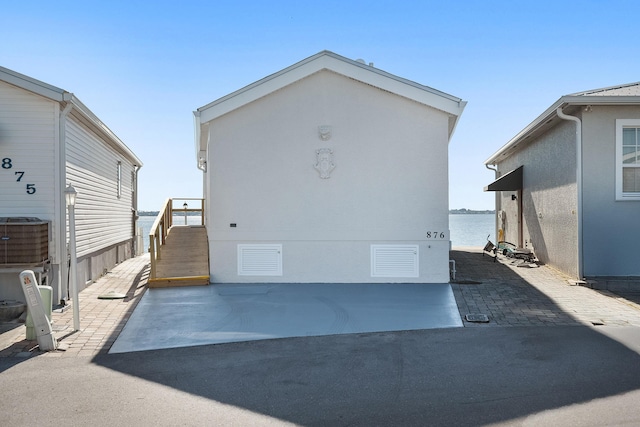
(510,181)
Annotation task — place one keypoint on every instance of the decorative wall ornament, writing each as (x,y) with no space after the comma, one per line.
(324,132)
(324,162)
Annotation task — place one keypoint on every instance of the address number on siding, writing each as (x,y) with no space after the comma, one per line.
(7,163)
(436,235)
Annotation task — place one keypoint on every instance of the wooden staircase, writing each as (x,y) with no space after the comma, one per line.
(184,258)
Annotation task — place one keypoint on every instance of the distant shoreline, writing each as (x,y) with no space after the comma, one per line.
(175,212)
(470,212)
(452,211)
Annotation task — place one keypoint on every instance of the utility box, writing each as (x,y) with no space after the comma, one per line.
(46,294)
(23,240)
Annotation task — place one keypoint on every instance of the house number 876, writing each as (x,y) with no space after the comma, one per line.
(7,164)
(435,234)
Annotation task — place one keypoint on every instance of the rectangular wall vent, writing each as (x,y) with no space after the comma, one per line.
(260,260)
(394,261)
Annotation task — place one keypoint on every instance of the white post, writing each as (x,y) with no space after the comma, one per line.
(70,194)
(185,206)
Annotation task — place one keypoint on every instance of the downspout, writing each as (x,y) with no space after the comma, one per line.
(197,133)
(61,246)
(201,158)
(578,184)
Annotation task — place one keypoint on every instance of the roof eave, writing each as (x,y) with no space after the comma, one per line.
(524,133)
(549,113)
(62,96)
(602,100)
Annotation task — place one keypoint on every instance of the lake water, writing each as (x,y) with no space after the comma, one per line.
(472,229)
(466,230)
(146,222)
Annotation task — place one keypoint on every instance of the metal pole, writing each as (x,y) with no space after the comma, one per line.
(185,212)
(73,269)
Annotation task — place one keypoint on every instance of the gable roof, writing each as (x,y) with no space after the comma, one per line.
(327,60)
(65,98)
(626,94)
(629,89)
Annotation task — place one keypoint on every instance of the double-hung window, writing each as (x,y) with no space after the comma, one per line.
(627,159)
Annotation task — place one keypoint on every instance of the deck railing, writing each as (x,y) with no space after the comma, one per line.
(162,224)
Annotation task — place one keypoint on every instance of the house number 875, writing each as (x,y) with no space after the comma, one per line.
(7,164)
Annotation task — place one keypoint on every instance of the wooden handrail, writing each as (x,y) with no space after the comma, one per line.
(162,224)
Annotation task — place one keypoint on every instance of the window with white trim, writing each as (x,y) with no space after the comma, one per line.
(628,159)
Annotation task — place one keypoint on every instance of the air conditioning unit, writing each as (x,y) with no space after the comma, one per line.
(23,240)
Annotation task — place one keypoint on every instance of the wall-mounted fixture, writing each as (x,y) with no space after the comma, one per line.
(514,197)
(202,160)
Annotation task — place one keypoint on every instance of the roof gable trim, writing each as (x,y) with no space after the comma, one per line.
(330,61)
(33,85)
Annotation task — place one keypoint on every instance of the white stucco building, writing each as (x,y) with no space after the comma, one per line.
(330,170)
(49,139)
(569,185)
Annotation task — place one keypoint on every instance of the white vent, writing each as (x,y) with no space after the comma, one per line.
(394,261)
(259,260)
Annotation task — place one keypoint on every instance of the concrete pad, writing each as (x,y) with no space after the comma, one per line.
(223,313)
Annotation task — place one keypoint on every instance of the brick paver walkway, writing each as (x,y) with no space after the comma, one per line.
(511,294)
(101,320)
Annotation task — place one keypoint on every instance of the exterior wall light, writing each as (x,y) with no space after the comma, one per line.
(70,194)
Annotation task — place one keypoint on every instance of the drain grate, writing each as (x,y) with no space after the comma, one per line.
(477,318)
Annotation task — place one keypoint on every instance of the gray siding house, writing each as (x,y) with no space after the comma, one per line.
(48,140)
(330,170)
(568,185)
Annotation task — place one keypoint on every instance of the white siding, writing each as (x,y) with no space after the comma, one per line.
(28,130)
(389,185)
(102,219)
(27,137)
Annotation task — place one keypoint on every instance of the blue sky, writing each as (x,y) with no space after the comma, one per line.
(143,66)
